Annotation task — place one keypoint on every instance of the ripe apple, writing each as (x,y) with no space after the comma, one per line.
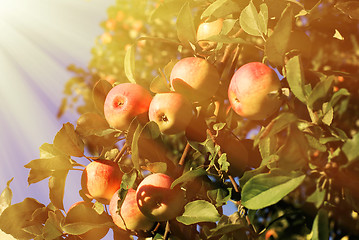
(171,111)
(131,217)
(208,29)
(124,102)
(157,200)
(101,179)
(195,78)
(249,90)
(83,212)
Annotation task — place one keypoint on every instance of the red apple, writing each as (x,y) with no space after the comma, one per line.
(101,179)
(171,111)
(124,102)
(83,212)
(249,90)
(208,29)
(157,200)
(131,217)
(195,78)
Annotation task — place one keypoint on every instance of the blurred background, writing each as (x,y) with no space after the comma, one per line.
(38,40)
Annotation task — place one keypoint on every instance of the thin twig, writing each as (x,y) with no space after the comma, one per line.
(167,231)
(120,153)
(184,154)
(233,183)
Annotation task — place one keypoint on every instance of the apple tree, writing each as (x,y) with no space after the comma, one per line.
(207,119)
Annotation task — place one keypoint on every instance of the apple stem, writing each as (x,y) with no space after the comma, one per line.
(120,153)
(167,231)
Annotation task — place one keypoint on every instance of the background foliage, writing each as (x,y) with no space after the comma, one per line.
(292,176)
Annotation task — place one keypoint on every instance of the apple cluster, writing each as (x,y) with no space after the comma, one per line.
(193,80)
(153,200)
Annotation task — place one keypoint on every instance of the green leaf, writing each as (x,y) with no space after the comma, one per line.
(278,124)
(317,197)
(79,228)
(199,211)
(37,175)
(129,64)
(57,163)
(320,92)
(68,141)
(57,188)
(315,143)
(219,196)
(224,229)
(250,174)
(268,188)
(151,130)
(350,8)
(156,167)
(17,216)
(186,31)
(159,85)
(337,96)
(328,114)
(167,9)
(189,176)
(91,123)
(48,150)
(98,207)
(135,148)
(219,9)
(252,22)
(5,197)
(320,230)
(83,217)
(218,126)
(52,228)
(276,44)
(293,154)
(267,146)
(99,93)
(223,163)
(350,148)
(295,78)
(128,180)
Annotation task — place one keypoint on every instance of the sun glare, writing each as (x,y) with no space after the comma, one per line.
(38,40)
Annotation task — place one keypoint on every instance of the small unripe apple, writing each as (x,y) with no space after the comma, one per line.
(124,102)
(101,179)
(171,111)
(249,91)
(83,212)
(208,29)
(130,217)
(157,200)
(195,78)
